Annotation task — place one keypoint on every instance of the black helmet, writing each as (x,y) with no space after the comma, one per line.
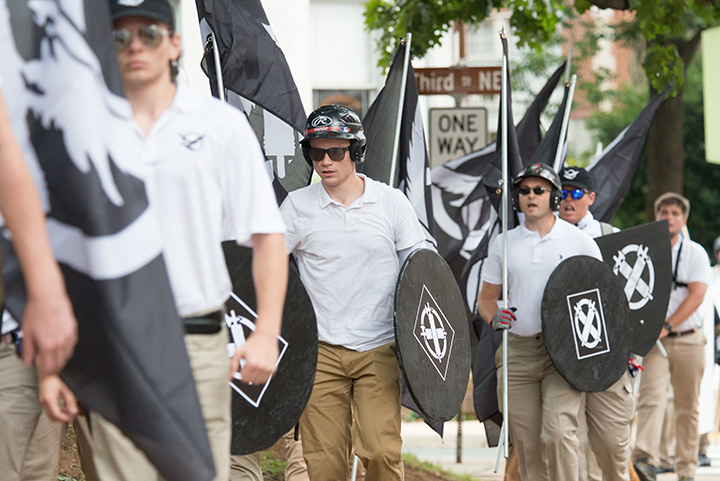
(544,172)
(335,122)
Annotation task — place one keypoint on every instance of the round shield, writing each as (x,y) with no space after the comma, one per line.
(640,258)
(262,414)
(432,336)
(586,324)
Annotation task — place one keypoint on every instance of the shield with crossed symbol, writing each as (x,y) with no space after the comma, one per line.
(641,258)
(586,323)
(262,414)
(432,335)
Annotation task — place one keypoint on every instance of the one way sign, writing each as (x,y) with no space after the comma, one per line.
(456,132)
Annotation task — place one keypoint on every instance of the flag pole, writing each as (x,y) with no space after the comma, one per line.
(568,64)
(563,129)
(218,68)
(401,104)
(504,210)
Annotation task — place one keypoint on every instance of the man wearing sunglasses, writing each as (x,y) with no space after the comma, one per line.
(350,235)
(606,416)
(543,407)
(205,176)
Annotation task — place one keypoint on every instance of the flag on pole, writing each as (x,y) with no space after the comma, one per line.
(459,194)
(257,79)
(380,122)
(62,87)
(616,165)
(547,150)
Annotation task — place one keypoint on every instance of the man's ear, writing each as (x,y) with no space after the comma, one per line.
(591,198)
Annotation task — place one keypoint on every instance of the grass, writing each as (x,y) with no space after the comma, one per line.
(412,460)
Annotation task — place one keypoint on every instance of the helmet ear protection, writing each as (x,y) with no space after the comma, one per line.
(544,172)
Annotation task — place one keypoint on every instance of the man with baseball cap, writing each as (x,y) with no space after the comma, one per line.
(605,416)
(683,341)
(205,175)
(543,407)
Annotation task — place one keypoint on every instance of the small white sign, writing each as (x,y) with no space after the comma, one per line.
(456,132)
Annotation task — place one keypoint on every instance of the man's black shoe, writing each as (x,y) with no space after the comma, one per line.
(645,470)
(703,460)
(665,469)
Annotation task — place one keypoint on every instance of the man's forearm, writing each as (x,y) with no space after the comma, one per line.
(270,274)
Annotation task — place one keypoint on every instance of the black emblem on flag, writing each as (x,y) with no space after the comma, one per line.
(634,264)
(434,333)
(588,323)
(240,319)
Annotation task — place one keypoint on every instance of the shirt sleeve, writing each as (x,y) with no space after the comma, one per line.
(408,230)
(492,265)
(290,219)
(249,203)
(699,265)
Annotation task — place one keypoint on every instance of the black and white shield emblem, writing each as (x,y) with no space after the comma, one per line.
(640,258)
(262,414)
(434,333)
(586,323)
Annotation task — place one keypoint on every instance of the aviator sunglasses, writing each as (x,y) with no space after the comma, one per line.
(150,35)
(336,154)
(537,190)
(576,194)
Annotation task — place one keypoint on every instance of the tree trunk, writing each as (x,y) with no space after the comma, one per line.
(665,151)
(665,138)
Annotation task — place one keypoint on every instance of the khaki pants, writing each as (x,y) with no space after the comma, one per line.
(609,414)
(29,441)
(365,385)
(683,368)
(116,457)
(543,411)
(296,469)
(246,467)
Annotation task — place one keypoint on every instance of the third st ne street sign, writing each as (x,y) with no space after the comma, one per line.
(459,80)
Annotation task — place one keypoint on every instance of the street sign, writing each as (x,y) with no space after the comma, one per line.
(462,80)
(455,132)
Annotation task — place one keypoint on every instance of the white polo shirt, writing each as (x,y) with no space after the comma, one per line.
(206,179)
(531,260)
(348,259)
(694,266)
(591,226)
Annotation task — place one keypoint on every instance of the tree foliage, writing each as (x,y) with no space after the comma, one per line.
(665,26)
(701,178)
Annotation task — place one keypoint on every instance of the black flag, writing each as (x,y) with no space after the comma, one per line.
(257,79)
(615,167)
(459,195)
(547,150)
(61,83)
(412,174)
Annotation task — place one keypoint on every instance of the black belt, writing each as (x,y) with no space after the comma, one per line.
(681,333)
(209,323)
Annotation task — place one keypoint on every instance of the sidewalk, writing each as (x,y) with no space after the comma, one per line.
(478,460)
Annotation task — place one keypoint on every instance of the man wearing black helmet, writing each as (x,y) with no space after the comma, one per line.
(349,235)
(542,405)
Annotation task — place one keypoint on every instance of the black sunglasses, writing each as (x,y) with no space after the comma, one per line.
(150,35)
(336,154)
(537,190)
(574,193)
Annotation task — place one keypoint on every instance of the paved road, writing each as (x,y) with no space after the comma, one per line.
(478,459)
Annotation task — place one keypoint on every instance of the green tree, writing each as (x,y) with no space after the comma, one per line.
(701,178)
(669,32)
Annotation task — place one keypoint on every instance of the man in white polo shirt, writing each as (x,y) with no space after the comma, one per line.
(543,407)
(683,340)
(205,176)
(609,412)
(349,235)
